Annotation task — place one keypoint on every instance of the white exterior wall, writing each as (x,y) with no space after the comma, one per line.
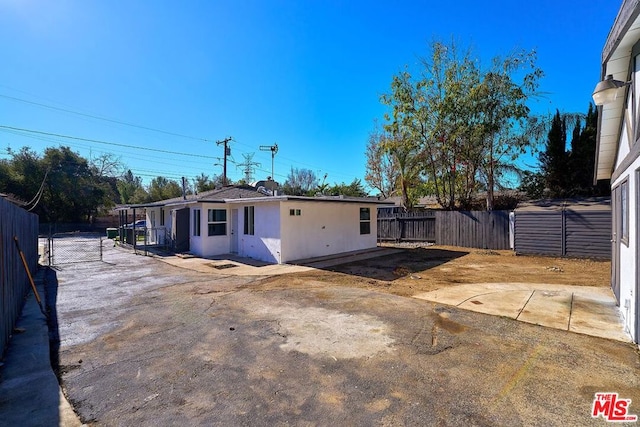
(205,245)
(324,228)
(627,252)
(265,244)
(156,233)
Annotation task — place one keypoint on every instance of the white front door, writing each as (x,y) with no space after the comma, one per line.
(234,231)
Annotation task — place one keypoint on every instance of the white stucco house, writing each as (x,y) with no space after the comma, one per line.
(278,229)
(618,155)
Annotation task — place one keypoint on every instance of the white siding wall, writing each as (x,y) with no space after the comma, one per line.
(265,243)
(205,245)
(324,228)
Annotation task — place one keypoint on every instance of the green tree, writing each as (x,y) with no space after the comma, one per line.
(354,189)
(162,188)
(554,164)
(73,191)
(127,186)
(203,183)
(582,158)
(458,124)
(23,175)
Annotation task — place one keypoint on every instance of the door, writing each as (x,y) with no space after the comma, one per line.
(181,232)
(615,241)
(637,272)
(234,231)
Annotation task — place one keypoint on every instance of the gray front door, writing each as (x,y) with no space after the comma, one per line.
(182,230)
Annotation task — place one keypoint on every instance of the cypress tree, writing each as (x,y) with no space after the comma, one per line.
(554,160)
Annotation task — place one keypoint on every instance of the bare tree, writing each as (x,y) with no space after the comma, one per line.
(382,172)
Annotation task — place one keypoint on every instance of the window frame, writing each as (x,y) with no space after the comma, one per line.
(249,221)
(213,222)
(624,212)
(197,223)
(365,221)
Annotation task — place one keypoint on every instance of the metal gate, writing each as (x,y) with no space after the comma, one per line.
(68,248)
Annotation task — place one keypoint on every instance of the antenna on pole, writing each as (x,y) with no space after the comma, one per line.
(248,165)
(227,152)
(274,149)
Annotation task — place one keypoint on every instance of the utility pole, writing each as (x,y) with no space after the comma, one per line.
(227,152)
(274,149)
(248,166)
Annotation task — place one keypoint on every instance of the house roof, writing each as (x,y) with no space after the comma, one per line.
(244,194)
(338,199)
(219,195)
(616,60)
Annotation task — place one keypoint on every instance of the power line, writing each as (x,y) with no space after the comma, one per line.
(104,118)
(103,142)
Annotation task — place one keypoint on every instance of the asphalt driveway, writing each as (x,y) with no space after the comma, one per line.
(143,342)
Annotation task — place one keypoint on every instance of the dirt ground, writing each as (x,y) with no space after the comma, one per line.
(146,343)
(420,269)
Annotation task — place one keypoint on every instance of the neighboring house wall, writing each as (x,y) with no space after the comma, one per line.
(324,228)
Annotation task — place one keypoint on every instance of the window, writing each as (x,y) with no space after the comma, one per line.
(161,216)
(153,219)
(196,222)
(365,221)
(217,222)
(249,227)
(295,212)
(624,212)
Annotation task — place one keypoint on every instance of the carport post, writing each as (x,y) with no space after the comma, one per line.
(134,230)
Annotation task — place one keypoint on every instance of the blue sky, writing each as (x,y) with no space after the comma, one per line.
(307,75)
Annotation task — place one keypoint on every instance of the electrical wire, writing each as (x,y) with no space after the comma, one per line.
(102,142)
(104,118)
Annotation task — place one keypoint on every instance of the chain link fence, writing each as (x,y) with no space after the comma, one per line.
(68,248)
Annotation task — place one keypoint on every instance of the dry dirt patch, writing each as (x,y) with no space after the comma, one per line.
(424,269)
(318,331)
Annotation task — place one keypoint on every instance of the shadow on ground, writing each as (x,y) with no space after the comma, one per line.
(401,264)
(51,298)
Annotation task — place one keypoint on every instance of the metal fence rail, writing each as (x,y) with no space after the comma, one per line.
(14,284)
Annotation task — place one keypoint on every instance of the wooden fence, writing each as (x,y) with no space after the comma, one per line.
(471,229)
(14,283)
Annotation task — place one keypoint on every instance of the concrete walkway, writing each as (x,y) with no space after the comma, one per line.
(29,391)
(230,264)
(581,309)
